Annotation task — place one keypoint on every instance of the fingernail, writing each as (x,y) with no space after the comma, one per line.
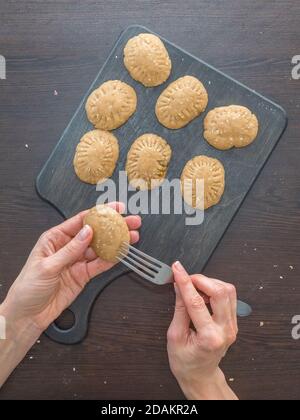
(179,266)
(84,233)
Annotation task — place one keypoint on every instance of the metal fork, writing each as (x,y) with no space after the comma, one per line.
(147,267)
(158,272)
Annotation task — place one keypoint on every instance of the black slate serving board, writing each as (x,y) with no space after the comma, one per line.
(163,236)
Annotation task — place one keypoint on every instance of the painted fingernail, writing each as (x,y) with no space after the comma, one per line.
(84,233)
(179,266)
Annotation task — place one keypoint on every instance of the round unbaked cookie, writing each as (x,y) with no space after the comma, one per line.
(96,156)
(147,161)
(212,172)
(181,102)
(111,233)
(111,105)
(147,60)
(230,126)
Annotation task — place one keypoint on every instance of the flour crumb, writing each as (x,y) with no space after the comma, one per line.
(291,267)
(74,369)
(281,277)
(55,93)
(30,357)
(38,342)
(105,382)
(231,379)
(275,266)
(255,249)
(261,324)
(261,288)
(116,56)
(26,145)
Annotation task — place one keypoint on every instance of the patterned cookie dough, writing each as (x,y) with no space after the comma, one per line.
(212,172)
(111,233)
(230,126)
(181,102)
(147,161)
(147,60)
(111,105)
(96,156)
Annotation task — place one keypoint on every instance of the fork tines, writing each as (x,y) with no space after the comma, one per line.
(146,266)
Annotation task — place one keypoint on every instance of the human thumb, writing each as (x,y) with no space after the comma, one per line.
(73,250)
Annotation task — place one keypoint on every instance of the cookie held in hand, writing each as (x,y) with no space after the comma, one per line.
(110,232)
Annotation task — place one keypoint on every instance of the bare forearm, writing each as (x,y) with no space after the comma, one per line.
(214,388)
(20,335)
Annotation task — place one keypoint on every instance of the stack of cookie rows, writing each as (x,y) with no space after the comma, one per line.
(114,102)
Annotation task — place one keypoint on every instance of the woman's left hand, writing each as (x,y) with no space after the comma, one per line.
(58,268)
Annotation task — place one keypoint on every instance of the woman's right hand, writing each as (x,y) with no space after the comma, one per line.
(195,353)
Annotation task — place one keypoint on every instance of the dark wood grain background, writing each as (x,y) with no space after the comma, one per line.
(53,51)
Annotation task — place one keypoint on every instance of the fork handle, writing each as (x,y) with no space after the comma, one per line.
(243,309)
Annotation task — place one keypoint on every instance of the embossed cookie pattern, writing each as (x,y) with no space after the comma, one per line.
(111,105)
(182,101)
(212,172)
(147,60)
(230,126)
(96,156)
(147,161)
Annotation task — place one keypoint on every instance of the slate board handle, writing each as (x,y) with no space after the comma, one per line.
(81,309)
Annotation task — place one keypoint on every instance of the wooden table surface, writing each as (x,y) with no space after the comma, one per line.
(54,50)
